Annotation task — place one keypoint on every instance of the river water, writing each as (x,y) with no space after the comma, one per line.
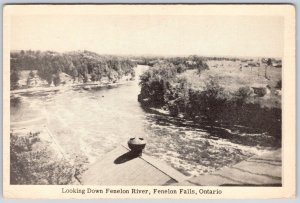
(94,122)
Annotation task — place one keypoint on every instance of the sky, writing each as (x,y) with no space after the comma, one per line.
(257,36)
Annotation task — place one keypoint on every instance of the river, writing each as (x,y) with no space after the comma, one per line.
(96,121)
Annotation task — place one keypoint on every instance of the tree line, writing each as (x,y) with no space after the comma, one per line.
(81,65)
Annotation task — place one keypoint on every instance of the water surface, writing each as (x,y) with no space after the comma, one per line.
(96,121)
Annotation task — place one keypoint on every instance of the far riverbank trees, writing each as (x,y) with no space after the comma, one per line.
(80,65)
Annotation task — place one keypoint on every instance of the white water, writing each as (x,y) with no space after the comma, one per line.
(96,121)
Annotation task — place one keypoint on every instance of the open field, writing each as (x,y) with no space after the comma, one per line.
(229,75)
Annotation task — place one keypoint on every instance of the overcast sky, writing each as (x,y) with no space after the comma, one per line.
(156,35)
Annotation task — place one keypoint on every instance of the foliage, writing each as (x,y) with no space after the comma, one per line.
(80,64)
(155,82)
(209,102)
(80,165)
(201,66)
(260,91)
(267,61)
(177,97)
(151,60)
(33,162)
(191,62)
(15,101)
(56,79)
(242,94)
(212,104)
(14,78)
(279,85)
(30,77)
(181,68)
(31,74)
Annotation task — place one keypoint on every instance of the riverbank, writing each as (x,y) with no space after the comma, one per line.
(213,99)
(95,122)
(86,86)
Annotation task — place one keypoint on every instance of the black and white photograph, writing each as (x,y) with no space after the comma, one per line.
(184,98)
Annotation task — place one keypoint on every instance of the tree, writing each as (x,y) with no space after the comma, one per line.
(31,74)
(181,68)
(49,63)
(56,79)
(155,82)
(268,64)
(210,102)
(32,162)
(112,75)
(278,84)
(201,66)
(14,78)
(94,77)
(74,74)
(242,94)
(196,62)
(85,78)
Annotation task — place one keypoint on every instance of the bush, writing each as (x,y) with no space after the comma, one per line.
(201,66)
(155,83)
(32,162)
(278,85)
(56,79)
(213,100)
(173,108)
(260,91)
(242,94)
(15,101)
(14,78)
(181,68)
(208,103)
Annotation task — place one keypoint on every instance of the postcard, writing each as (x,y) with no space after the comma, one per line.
(149,101)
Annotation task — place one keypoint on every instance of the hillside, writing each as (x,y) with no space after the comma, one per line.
(57,68)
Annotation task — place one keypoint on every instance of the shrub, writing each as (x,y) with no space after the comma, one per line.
(181,68)
(208,103)
(14,78)
(242,94)
(260,91)
(33,162)
(56,79)
(173,108)
(201,66)
(278,85)
(155,82)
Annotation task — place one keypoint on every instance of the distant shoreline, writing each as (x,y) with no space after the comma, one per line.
(87,86)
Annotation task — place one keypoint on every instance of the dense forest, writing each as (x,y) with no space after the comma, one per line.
(80,65)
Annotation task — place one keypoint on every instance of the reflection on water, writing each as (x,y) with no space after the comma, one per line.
(96,121)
